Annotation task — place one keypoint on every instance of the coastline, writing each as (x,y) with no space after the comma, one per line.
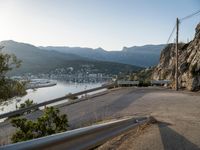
(40,83)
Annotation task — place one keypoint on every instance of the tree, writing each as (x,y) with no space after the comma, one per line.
(7,63)
(50,122)
(9,88)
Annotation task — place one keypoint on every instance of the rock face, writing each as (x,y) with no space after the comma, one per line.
(189,64)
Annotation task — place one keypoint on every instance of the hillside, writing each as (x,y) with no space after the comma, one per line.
(144,56)
(35,60)
(189,63)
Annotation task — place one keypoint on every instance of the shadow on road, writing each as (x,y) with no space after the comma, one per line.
(174,141)
(109,109)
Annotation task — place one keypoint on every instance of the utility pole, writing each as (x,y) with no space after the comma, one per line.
(176,74)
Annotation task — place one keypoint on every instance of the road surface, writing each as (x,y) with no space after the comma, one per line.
(179,112)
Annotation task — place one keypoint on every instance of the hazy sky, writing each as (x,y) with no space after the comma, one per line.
(110,24)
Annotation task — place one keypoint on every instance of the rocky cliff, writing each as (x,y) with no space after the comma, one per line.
(189,64)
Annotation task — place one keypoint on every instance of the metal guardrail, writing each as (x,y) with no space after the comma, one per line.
(136,83)
(160,82)
(120,82)
(80,139)
(21,111)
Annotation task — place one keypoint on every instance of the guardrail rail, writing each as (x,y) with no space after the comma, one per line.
(80,139)
(123,82)
(21,111)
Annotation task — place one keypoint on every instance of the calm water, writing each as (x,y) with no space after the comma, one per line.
(47,93)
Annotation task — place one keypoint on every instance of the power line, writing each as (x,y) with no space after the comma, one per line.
(180,20)
(189,16)
(171,34)
(176,27)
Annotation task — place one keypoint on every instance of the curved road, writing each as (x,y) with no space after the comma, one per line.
(181,109)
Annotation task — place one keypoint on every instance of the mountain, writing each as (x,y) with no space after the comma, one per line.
(144,56)
(189,63)
(36,60)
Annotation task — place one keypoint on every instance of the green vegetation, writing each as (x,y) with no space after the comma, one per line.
(112,86)
(72,97)
(9,88)
(26,104)
(50,122)
(144,83)
(143,76)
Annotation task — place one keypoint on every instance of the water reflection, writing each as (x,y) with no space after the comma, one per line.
(47,93)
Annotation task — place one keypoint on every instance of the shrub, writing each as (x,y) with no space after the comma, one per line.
(144,83)
(50,122)
(26,104)
(72,97)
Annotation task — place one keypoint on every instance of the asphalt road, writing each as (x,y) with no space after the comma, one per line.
(178,108)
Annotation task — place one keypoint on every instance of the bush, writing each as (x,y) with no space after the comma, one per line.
(26,104)
(72,97)
(49,123)
(143,75)
(111,86)
(144,83)
(11,88)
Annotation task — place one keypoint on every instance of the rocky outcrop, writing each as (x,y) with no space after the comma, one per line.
(189,64)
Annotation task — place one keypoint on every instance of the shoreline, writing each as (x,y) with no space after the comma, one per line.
(45,94)
(40,83)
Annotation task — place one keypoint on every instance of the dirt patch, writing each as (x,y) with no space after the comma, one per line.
(119,141)
(156,135)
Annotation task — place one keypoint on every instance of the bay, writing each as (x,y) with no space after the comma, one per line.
(47,93)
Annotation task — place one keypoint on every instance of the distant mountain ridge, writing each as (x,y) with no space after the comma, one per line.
(35,60)
(144,56)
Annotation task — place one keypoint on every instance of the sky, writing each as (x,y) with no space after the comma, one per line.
(109,24)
